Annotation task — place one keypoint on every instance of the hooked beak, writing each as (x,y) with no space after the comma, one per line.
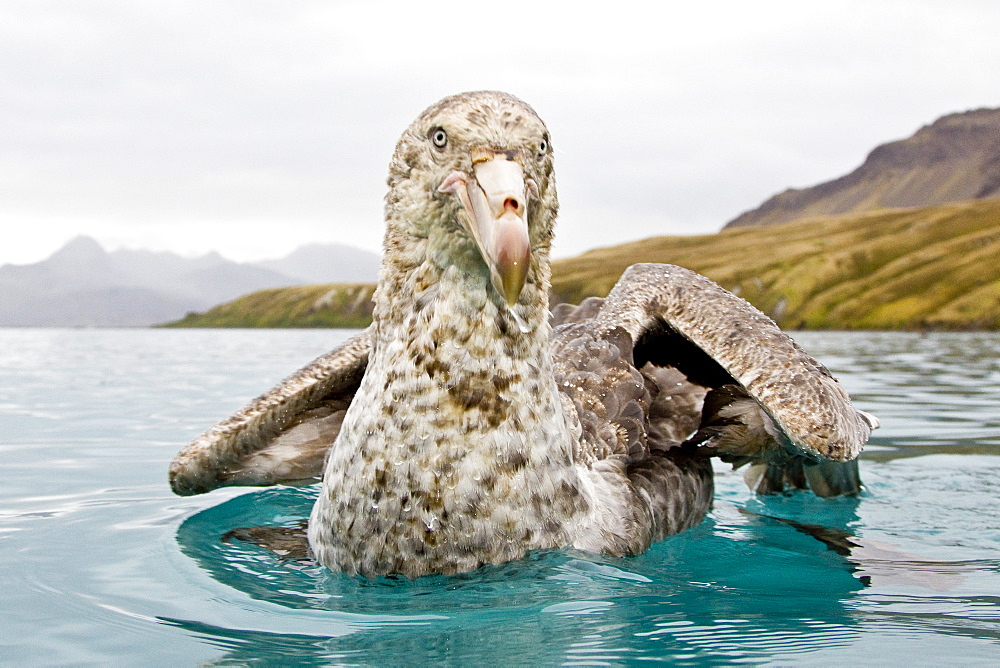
(496,201)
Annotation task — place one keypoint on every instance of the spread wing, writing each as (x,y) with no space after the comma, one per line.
(687,357)
(283,435)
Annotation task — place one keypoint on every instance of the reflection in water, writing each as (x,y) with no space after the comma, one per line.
(736,586)
(784,576)
(873,560)
(89,531)
(933,393)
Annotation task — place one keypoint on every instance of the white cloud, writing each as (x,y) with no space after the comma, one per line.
(250,127)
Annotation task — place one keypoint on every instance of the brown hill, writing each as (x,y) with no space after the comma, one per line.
(955,158)
(935,267)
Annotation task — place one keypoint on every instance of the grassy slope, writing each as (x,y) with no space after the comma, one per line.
(937,267)
(300,306)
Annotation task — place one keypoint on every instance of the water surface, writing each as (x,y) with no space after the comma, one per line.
(101,564)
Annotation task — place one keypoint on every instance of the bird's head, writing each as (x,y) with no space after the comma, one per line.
(473,176)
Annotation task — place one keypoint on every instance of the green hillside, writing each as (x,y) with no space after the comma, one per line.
(936,267)
(300,306)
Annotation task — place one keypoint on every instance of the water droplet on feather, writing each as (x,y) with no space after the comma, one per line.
(522,326)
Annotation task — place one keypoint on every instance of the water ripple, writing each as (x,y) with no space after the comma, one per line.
(100,564)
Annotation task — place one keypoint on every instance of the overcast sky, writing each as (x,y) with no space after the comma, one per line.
(252,127)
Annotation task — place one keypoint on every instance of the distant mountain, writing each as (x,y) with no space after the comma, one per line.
(82,285)
(955,158)
(327,263)
(338,305)
(927,268)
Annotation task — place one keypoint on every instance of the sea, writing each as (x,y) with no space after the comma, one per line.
(100,564)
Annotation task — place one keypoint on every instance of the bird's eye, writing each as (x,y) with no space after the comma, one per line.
(439,137)
(543,147)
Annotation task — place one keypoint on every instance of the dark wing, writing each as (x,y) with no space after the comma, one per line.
(767,400)
(633,421)
(716,339)
(283,435)
(622,408)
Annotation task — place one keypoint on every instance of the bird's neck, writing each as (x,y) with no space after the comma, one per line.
(437,291)
(452,369)
(456,441)
(428,317)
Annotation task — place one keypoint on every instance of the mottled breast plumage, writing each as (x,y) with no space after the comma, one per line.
(465,427)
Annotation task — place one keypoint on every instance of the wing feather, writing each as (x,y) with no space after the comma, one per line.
(724,338)
(283,435)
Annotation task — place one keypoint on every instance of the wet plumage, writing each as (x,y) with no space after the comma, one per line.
(466,426)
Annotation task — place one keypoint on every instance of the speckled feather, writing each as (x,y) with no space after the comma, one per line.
(474,431)
(260,444)
(807,404)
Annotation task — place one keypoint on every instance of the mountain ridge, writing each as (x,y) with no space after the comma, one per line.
(915,269)
(924,268)
(885,246)
(955,158)
(311,264)
(83,285)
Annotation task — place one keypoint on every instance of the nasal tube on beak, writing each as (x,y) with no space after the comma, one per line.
(496,201)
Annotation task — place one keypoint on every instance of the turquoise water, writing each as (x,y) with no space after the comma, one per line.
(101,565)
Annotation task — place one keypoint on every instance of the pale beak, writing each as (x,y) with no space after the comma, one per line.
(496,201)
